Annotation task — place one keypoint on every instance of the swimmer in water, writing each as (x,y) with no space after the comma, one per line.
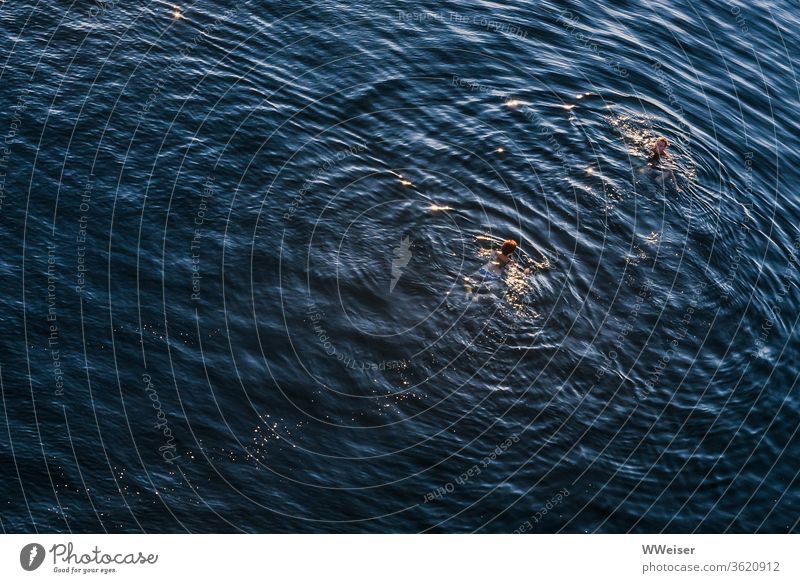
(494,268)
(658,151)
(658,155)
(502,257)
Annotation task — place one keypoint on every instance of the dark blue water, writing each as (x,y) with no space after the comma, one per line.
(234,241)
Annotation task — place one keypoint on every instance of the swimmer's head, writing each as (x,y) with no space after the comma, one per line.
(661,145)
(509,245)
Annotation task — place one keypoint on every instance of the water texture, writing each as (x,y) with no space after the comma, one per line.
(236,236)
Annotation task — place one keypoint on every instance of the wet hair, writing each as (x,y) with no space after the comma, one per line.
(508,247)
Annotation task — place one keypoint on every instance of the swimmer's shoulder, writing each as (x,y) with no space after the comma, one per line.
(655,159)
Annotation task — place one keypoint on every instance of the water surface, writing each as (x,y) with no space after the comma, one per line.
(235,240)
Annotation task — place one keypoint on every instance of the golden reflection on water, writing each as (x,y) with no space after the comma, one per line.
(517,279)
(639,135)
